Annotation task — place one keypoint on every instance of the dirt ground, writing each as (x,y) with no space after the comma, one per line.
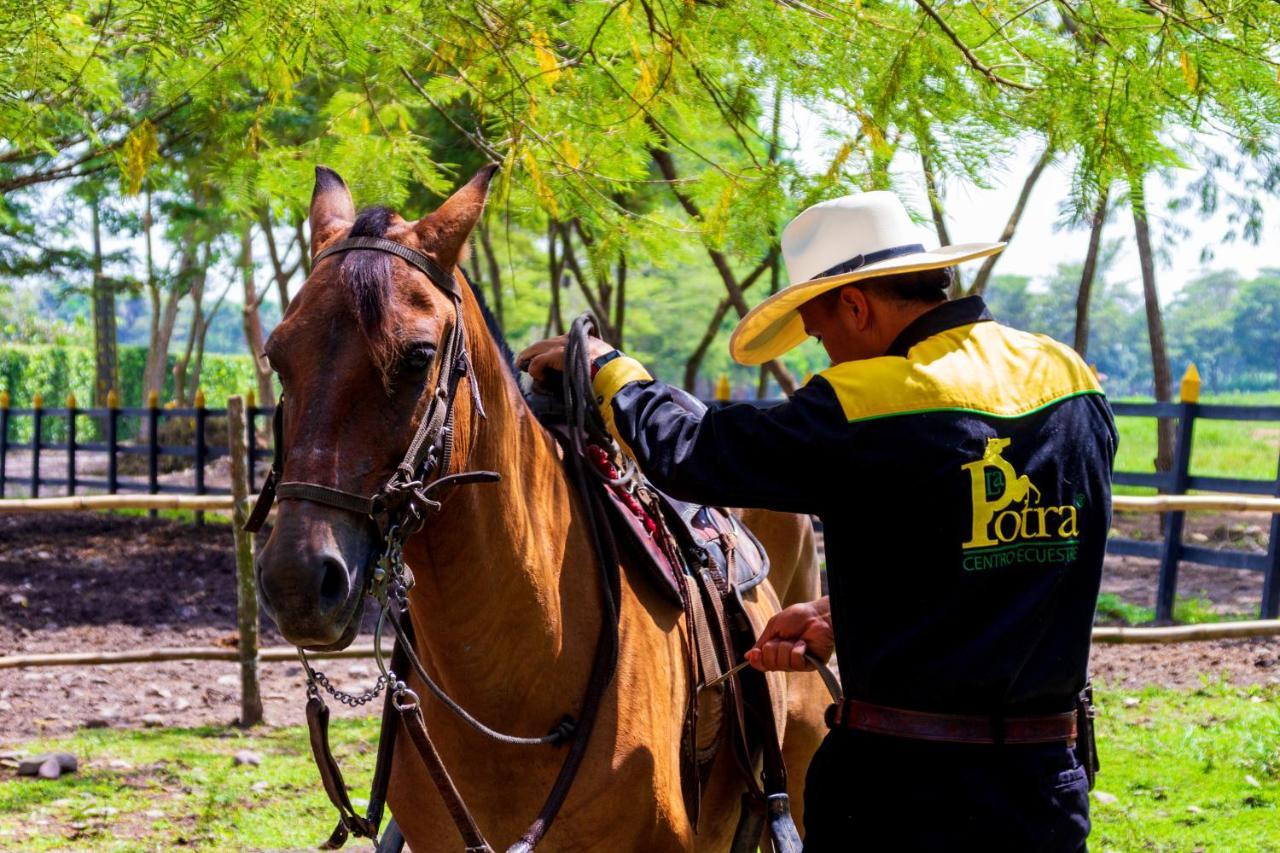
(82,581)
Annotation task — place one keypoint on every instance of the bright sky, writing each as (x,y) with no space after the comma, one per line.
(977,214)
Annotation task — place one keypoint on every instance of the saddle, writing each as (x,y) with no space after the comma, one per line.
(704,561)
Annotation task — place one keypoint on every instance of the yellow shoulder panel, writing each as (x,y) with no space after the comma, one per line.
(983,368)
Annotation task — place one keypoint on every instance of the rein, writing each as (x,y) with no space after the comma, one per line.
(399,509)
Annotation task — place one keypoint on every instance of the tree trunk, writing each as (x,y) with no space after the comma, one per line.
(495,274)
(694,364)
(105,360)
(775,275)
(598,303)
(1160,372)
(620,299)
(196,332)
(252,320)
(555,320)
(1085,292)
(667,166)
(153,368)
(304,250)
(162,332)
(936,209)
(206,321)
(984,272)
(282,276)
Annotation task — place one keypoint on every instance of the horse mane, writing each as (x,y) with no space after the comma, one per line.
(491,323)
(368,277)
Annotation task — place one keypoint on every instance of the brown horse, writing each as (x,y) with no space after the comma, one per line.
(506,601)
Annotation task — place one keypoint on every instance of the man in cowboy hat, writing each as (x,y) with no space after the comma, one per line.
(962,471)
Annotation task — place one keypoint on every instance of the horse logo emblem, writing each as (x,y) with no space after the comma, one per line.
(1008,516)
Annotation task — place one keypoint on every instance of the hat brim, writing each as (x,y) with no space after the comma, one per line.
(774,326)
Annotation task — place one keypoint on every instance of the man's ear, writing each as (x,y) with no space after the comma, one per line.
(854,300)
(332,210)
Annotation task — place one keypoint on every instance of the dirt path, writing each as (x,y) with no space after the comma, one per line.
(87,581)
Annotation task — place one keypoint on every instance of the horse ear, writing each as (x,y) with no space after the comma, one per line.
(332,211)
(445,232)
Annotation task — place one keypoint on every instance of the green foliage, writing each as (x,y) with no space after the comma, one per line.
(1112,609)
(1189,769)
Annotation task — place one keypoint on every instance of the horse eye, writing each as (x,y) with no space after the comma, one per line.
(418,358)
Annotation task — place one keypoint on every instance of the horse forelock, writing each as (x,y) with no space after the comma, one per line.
(368,279)
(367,275)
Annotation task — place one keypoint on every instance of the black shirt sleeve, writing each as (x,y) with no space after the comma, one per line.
(779,457)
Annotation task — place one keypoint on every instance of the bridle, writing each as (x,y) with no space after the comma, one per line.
(399,509)
(405,499)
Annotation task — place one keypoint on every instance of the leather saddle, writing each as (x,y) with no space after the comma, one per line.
(703,560)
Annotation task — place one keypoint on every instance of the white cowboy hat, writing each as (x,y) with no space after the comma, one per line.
(833,243)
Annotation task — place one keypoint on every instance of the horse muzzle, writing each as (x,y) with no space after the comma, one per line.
(311,575)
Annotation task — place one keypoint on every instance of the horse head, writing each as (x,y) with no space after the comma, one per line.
(358,353)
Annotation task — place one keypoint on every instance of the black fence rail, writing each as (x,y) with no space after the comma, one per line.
(1171,550)
(75,431)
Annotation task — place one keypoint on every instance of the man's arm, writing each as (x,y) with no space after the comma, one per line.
(782,457)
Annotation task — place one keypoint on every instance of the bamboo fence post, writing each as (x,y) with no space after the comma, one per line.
(247,582)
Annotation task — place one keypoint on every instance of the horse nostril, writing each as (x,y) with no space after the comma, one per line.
(334,583)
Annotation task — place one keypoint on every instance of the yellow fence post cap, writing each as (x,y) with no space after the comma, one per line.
(1189,392)
(153,399)
(4,399)
(723,389)
(71,399)
(250,400)
(113,399)
(199,399)
(37,401)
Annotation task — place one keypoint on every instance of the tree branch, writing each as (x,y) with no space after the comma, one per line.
(968,54)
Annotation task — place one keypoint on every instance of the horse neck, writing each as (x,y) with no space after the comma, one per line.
(504,576)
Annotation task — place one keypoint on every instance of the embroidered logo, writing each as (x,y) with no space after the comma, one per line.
(1010,525)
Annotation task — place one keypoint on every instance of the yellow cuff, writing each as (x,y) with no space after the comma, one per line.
(609,381)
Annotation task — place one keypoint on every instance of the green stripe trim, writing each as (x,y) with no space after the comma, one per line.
(1030,543)
(970,411)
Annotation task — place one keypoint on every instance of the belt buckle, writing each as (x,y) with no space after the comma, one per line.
(834,715)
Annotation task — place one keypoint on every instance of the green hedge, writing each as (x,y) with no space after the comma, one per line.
(56,371)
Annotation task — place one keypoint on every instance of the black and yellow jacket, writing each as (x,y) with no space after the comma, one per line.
(964,485)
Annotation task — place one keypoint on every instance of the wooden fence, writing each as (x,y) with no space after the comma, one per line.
(1170,551)
(249,655)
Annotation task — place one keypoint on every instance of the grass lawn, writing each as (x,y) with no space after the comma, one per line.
(1220,448)
(1182,771)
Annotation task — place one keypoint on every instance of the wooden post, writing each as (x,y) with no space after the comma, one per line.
(723,390)
(113,441)
(153,446)
(1271,580)
(247,581)
(1189,404)
(71,444)
(251,436)
(4,440)
(37,415)
(202,448)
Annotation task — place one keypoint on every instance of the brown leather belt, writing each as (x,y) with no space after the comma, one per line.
(952,728)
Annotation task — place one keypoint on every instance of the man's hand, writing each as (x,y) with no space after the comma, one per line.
(548,354)
(790,633)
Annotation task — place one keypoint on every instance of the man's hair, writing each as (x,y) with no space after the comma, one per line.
(916,286)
